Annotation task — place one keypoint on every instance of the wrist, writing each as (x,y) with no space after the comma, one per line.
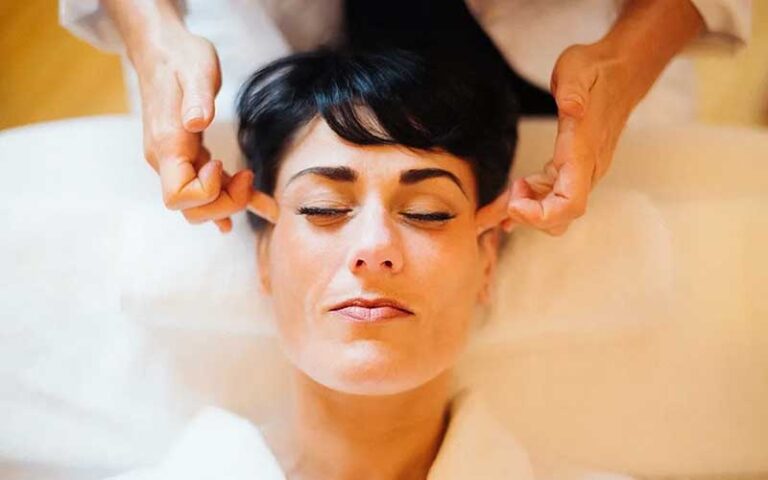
(156,48)
(628,70)
(148,28)
(645,37)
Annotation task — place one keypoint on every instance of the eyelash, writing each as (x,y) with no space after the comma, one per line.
(323,212)
(336,212)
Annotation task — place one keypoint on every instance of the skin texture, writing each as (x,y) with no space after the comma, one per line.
(394,377)
(596,87)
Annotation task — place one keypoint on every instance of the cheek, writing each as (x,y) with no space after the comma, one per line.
(296,252)
(449,278)
(445,266)
(301,264)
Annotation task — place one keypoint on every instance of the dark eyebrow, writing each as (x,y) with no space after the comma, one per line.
(412,176)
(407,177)
(338,174)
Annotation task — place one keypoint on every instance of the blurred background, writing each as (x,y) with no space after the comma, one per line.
(79,80)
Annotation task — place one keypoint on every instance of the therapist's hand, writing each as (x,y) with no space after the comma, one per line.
(179,80)
(596,87)
(179,77)
(590,88)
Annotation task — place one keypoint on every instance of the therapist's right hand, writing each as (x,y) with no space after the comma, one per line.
(179,77)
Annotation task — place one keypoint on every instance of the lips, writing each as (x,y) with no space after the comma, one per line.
(371,310)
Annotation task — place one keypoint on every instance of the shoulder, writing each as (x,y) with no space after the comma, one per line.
(215,444)
(475,432)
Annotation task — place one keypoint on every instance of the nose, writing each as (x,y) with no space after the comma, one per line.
(376,248)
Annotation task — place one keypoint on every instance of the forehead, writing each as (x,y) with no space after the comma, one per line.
(317,145)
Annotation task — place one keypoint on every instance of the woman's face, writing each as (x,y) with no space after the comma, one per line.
(374,265)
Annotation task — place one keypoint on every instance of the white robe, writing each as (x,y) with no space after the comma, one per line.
(530,34)
(219,445)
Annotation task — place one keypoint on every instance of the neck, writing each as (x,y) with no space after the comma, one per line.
(331,434)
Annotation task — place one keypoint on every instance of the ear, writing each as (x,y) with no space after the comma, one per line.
(488,244)
(262,258)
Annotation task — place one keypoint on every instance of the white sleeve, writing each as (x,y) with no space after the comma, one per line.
(727,22)
(86,19)
(140,474)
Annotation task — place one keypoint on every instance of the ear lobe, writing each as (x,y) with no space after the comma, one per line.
(488,243)
(262,259)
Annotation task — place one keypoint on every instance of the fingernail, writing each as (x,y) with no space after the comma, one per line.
(508,226)
(574,98)
(194,113)
(578,101)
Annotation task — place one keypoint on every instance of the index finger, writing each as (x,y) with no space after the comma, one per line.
(564,203)
(184,187)
(567,198)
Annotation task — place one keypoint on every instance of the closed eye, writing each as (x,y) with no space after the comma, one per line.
(328,213)
(429,217)
(323,212)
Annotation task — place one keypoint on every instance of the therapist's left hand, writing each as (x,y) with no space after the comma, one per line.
(591,88)
(596,87)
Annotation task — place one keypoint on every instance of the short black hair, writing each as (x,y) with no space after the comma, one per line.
(380,97)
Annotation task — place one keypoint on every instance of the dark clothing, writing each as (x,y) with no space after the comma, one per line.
(446,31)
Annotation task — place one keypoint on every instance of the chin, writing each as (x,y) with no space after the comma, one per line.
(366,367)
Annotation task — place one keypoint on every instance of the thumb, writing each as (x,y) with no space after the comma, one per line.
(197,104)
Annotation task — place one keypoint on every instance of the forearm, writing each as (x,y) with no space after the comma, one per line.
(144,25)
(647,35)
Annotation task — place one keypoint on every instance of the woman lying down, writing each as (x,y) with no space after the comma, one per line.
(376,263)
